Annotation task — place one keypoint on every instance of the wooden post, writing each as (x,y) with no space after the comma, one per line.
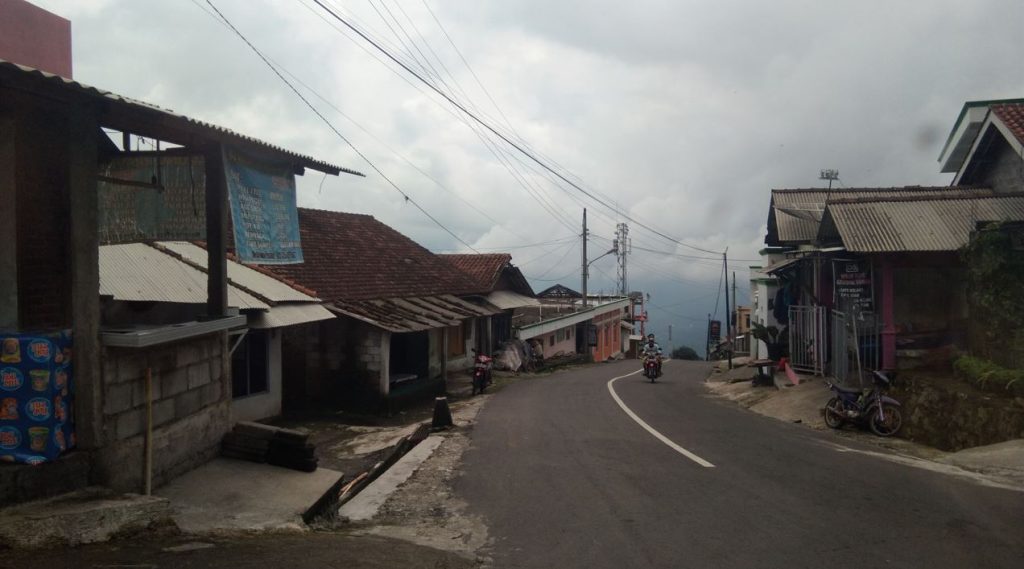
(216,231)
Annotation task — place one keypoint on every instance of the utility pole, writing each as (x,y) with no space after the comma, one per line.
(735,306)
(669,339)
(623,246)
(728,312)
(707,340)
(583,266)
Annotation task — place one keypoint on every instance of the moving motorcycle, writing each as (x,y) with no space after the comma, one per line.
(851,405)
(651,367)
(481,372)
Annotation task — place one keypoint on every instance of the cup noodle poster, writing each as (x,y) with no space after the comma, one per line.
(35,397)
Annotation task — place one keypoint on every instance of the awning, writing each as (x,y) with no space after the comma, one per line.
(289,315)
(412,314)
(507,300)
(781,266)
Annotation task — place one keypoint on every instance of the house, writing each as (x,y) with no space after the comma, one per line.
(401,310)
(564,328)
(504,287)
(876,274)
(142,282)
(58,140)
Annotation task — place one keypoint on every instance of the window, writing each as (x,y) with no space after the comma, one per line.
(551,340)
(560,335)
(249,365)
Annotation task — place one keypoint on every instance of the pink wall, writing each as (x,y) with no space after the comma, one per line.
(34,37)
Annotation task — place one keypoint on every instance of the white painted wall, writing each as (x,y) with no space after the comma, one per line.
(268,404)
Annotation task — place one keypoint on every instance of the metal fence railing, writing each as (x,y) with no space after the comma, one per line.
(741,345)
(808,338)
(852,336)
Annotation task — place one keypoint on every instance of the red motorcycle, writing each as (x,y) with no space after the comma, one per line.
(651,367)
(481,372)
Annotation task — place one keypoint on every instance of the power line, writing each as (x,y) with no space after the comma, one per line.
(332,127)
(508,141)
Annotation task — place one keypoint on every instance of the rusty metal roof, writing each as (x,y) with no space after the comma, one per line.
(412,313)
(931,223)
(795,214)
(147,115)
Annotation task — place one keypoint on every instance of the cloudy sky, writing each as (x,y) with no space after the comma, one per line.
(679,114)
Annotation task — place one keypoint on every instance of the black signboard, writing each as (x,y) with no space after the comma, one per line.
(716,331)
(854,290)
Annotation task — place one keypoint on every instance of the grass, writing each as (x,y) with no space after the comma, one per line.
(989,376)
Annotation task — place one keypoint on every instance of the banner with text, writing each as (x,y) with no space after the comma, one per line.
(152,198)
(263,211)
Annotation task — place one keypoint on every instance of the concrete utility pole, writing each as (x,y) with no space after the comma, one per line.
(670,339)
(623,246)
(583,266)
(728,312)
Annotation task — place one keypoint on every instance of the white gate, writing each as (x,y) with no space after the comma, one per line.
(808,333)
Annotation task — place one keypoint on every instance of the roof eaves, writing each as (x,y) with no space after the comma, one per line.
(17,72)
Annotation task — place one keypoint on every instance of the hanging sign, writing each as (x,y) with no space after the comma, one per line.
(152,198)
(263,211)
(715,330)
(853,285)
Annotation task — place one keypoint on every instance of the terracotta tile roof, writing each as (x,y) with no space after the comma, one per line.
(351,256)
(484,268)
(1012,115)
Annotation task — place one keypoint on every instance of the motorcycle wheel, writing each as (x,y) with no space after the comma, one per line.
(890,422)
(834,413)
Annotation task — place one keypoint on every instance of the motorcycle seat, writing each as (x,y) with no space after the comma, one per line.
(843,389)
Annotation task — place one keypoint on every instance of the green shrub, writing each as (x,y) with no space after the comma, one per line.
(989,376)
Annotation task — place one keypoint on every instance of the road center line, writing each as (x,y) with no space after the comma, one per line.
(651,429)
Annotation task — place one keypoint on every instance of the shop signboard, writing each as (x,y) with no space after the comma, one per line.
(715,331)
(854,289)
(263,210)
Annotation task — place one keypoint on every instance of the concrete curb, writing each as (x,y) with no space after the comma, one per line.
(365,505)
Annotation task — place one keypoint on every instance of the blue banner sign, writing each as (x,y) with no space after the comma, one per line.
(171,208)
(263,211)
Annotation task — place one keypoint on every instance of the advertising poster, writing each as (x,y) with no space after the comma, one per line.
(263,210)
(36,396)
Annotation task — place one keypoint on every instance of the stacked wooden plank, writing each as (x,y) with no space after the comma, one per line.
(256,442)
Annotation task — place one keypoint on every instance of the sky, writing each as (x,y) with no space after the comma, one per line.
(679,116)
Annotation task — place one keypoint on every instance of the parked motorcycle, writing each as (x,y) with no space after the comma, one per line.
(651,367)
(481,372)
(850,405)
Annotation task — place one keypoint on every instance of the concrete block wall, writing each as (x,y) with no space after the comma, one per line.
(191,393)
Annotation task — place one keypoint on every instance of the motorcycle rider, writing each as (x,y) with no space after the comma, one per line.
(651,348)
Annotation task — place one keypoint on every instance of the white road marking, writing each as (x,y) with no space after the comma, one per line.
(651,429)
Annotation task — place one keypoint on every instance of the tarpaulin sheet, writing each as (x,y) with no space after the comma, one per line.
(36,393)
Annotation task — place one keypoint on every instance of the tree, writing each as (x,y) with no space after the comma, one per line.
(684,353)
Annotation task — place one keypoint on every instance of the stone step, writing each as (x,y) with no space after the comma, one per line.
(86,516)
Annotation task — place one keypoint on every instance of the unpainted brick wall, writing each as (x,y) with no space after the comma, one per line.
(187,377)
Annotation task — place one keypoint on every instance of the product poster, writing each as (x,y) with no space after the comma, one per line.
(36,393)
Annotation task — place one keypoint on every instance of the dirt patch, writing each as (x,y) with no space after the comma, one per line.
(425,510)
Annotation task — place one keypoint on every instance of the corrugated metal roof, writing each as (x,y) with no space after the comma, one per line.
(922,224)
(15,70)
(289,315)
(795,214)
(244,277)
(507,300)
(139,272)
(412,314)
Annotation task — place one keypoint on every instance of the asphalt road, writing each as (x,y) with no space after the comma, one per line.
(565,478)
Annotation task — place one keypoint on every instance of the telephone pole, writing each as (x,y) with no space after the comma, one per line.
(583,266)
(728,312)
(623,246)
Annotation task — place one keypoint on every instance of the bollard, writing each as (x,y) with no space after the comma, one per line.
(442,414)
